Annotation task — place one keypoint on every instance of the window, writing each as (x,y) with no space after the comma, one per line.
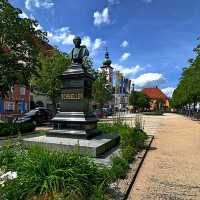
(22,90)
(9,106)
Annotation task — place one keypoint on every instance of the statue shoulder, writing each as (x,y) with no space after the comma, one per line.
(85,50)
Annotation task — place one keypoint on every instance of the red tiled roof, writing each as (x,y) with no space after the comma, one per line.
(154,93)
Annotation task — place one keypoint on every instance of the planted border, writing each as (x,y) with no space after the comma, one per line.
(45,174)
(9,129)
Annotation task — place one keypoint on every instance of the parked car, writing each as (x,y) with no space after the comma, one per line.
(100,113)
(108,111)
(124,109)
(36,116)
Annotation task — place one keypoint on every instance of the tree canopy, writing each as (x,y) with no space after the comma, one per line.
(18,47)
(48,83)
(139,100)
(101,90)
(188,89)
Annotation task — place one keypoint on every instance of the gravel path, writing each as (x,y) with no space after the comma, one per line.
(171,169)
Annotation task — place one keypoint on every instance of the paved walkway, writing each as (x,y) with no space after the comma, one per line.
(171,169)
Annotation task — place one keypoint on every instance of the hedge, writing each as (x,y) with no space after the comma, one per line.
(8,129)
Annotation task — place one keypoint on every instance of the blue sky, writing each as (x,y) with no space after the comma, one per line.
(150,41)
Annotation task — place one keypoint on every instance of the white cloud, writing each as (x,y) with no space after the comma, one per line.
(124,44)
(101,17)
(168,91)
(149,80)
(127,71)
(64,36)
(125,56)
(38,27)
(86,40)
(23,15)
(93,46)
(98,43)
(30,4)
(113,2)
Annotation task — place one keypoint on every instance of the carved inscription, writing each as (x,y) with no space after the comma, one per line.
(73,95)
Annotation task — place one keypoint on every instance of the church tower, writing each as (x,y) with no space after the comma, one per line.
(107,68)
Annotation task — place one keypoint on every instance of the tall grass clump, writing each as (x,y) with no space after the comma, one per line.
(139,122)
(132,140)
(46,174)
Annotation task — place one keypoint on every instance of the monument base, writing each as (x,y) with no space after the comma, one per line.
(95,147)
(74,125)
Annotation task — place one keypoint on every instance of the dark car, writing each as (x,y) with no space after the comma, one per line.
(109,111)
(100,113)
(36,116)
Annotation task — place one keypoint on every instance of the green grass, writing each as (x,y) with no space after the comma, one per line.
(128,135)
(45,174)
(132,140)
(42,172)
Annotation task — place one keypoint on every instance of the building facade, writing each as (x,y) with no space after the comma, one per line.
(121,86)
(17,101)
(19,98)
(159,101)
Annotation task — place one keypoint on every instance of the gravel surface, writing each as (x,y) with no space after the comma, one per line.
(171,169)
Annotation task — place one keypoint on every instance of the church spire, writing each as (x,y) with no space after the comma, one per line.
(107,53)
(107,60)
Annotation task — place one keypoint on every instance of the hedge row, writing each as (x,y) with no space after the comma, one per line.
(7,129)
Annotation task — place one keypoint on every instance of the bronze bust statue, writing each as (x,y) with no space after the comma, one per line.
(79,53)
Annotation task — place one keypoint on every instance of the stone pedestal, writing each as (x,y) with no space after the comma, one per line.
(75,118)
(75,124)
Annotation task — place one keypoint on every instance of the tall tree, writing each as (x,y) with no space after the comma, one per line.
(188,90)
(101,90)
(139,100)
(48,83)
(18,47)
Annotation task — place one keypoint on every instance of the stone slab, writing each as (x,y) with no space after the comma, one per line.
(74,134)
(75,116)
(94,147)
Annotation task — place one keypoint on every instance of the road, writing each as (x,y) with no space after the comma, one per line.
(171,169)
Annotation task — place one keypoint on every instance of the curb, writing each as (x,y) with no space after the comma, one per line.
(138,168)
(121,188)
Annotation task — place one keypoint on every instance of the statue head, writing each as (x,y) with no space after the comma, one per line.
(80,53)
(77,41)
